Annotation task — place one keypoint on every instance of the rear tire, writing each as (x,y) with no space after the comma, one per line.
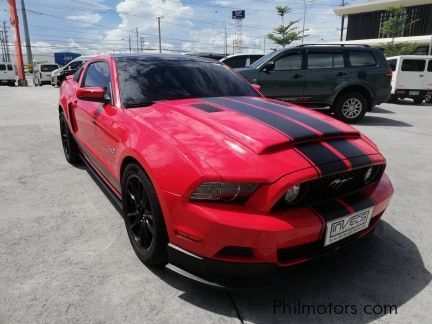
(418,101)
(143,217)
(70,147)
(350,107)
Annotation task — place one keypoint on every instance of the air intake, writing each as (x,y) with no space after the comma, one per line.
(207,108)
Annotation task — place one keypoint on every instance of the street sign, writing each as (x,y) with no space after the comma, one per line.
(238,14)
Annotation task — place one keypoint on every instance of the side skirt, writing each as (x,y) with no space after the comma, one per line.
(102,185)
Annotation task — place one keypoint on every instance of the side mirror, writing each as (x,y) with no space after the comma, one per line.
(269,66)
(257,87)
(95,94)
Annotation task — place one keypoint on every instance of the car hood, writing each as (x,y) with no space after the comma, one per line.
(254,134)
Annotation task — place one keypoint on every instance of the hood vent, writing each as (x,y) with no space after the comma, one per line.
(207,108)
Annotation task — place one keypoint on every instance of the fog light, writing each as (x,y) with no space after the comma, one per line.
(292,194)
(368,175)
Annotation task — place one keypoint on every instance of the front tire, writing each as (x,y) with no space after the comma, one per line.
(418,100)
(143,217)
(70,147)
(350,107)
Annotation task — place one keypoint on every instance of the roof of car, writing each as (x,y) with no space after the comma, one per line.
(163,57)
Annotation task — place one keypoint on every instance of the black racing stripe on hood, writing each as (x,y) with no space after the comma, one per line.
(323,159)
(285,126)
(356,156)
(296,114)
(330,210)
(358,201)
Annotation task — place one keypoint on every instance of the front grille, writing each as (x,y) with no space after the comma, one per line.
(327,188)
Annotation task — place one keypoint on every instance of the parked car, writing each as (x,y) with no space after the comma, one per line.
(7,73)
(42,73)
(213,56)
(240,60)
(212,177)
(59,75)
(412,77)
(349,79)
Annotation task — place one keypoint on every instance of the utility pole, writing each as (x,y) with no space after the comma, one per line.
(226,38)
(264,43)
(130,45)
(342,23)
(6,43)
(2,47)
(17,42)
(159,31)
(137,39)
(142,44)
(27,35)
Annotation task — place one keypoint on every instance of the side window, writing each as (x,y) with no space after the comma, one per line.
(289,62)
(98,75)
(413,65)
(361,58)
(325,60)
(75,65)
(10,67)
(430,66)
(392,64)
(254,58)
(236,62)
(2,67)
(77,74)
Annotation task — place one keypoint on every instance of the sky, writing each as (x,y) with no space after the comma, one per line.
(97,26)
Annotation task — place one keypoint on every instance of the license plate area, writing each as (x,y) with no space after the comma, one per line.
(342,227)
(414,93)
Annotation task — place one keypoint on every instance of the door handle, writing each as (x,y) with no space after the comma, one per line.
(297,76)
(341,74)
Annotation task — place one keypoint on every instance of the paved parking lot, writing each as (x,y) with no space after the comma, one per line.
(65,255)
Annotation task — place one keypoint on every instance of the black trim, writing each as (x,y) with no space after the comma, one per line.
(236,276)
(287,127)
(359,201)
(324,159)
(207,108)
(331,210)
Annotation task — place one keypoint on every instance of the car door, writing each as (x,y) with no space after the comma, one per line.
(286,80)
(102,129)
(412,75)
(428,76)
(3,72)
(324,71)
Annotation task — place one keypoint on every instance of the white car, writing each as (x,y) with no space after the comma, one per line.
(240,60)
(412,77)
(7,73)
(42,73)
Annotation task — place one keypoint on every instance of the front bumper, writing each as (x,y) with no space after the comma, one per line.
(199,233)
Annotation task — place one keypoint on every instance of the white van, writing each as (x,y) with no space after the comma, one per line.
(42,73)
(7,73)
(412,77)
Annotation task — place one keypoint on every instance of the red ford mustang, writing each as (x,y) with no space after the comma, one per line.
(213,178)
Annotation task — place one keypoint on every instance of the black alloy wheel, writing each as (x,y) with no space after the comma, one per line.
(143,217)
(70,147)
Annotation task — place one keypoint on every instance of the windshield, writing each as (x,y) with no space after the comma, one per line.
(48,68)
(143,81)
(262,60)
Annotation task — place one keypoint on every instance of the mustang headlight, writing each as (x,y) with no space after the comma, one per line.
(292,194)
(223,191)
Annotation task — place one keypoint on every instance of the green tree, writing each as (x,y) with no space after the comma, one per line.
(285,34)
(392,49)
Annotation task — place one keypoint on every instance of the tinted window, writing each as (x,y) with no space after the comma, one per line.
(325,60)
(361,58)
(10,67)
(430,66)
(392,64)
(254,58)
(236,62)
(143,81)
(2,67)
(262,60)
(75,65)
(413,65)
(77,74)
(48,68)
(289,62)
(98,75)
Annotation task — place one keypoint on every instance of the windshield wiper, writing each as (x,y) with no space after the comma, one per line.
(143,104)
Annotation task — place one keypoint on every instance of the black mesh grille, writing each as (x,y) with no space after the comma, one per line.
(332,187)
(207,108)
